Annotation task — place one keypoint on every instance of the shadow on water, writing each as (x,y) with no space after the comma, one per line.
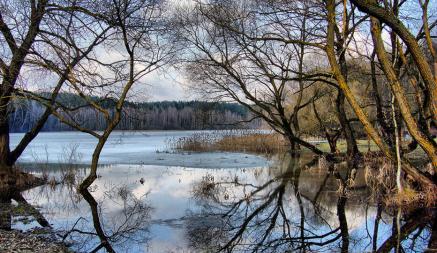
(295,212)
(295,207)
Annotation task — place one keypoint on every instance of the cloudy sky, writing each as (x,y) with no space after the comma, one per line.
(166,84)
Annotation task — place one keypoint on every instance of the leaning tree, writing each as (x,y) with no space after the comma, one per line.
(42,41)
(136,45)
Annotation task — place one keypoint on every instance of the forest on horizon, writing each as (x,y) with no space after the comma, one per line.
(161,115)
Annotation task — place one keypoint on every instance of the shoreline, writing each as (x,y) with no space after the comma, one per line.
(23,242)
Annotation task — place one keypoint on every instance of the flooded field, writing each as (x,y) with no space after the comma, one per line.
(143,202)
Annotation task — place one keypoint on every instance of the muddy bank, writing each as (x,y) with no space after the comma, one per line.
(19,242)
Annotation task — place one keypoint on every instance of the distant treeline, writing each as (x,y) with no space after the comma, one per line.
(165,115)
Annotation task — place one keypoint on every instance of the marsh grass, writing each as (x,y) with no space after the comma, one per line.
(379,176)
(232,141)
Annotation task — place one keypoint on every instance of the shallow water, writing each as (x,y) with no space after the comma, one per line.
(289,205)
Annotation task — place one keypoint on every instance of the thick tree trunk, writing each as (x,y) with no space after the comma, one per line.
(435,69)
(432,244)
(5,212)
(6,173)
(4,137)
(398,91)
(369,128)
(4,144)
(372,8)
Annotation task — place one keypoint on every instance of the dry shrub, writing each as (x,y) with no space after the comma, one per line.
(407,197)
(410,197)
(205,188)
(232,141)
(69,177)
(52,183)
(197,142)
(380,176)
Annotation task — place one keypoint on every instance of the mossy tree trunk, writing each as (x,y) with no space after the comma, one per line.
(359,112)
(428,145)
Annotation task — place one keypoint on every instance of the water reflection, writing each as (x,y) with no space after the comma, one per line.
(22,208)
(298,205)
(295,212)
(117,229)
(131,225)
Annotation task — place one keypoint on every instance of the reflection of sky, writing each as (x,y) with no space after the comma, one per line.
(166,189)
(169,191)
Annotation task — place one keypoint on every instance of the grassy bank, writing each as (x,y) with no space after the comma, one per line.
(363,146)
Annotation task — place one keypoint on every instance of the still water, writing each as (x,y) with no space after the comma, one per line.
(216,203)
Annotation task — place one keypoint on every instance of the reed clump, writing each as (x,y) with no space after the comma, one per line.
(206,188)
(232,141)
(380,176)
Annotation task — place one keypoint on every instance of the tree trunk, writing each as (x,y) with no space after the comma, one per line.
(369,128)
(4,144)
(5,212)
(5,164)
(398,91)
(385,127)
(332,141)
(351,143)
(104,241)
(372,8)
(432,245)
(297,131)
(344,231)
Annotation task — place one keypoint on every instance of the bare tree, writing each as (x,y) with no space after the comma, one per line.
(17,37)
(138,48)
(231,60)
(57,39)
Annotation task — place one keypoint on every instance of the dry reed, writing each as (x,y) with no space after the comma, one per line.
(380,174)
(232,141)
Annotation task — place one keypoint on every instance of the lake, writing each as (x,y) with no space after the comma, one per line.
(149,198)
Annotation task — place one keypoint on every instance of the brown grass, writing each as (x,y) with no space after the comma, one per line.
(380,176)
(232,141)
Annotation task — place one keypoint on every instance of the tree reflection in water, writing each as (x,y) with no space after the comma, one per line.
(23,208)
(296,213)
(112,229)
(118,231)
(291,207)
